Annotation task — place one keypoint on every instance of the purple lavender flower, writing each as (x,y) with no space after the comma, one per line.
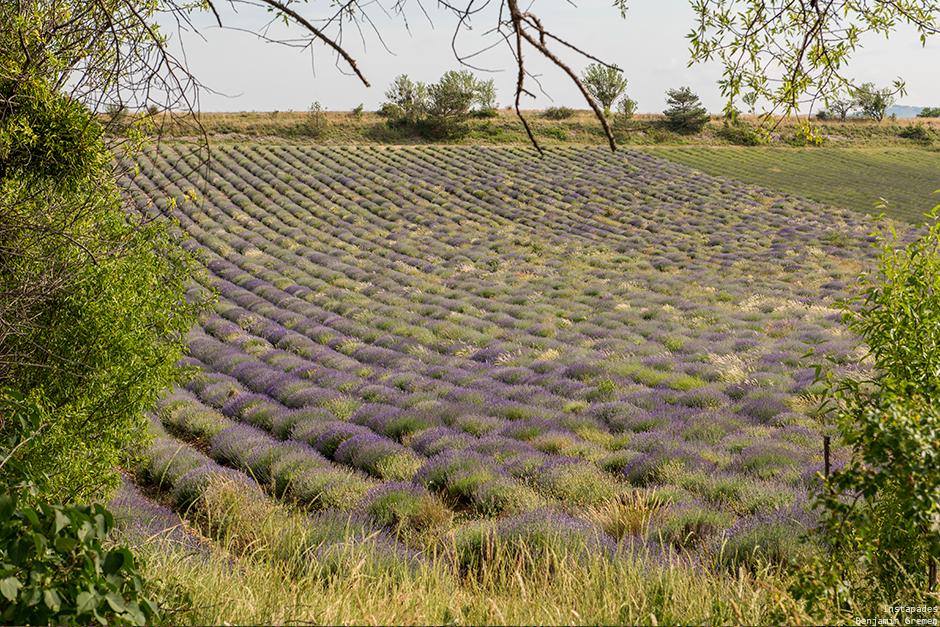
(775,537)
(762,410)
(138,520)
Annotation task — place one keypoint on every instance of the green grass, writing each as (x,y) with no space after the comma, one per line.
(857,179)
(258,571)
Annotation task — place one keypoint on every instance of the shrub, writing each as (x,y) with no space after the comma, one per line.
(484,97)
(315,123)
(685,113)
(556,132)
(806,135)
(742,135)
(916,132)
(407,101)
(449,102)
(558,113)
(625,110)
(54,570)
(53,567)
(883,507)
(929,112)
(439,110)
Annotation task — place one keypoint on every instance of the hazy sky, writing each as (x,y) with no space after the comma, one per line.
(650,44)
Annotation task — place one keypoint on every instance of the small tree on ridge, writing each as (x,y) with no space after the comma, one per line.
(605,83)
(685,113)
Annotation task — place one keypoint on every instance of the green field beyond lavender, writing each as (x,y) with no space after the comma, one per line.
(513,342)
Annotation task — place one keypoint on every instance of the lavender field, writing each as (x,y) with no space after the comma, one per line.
(440,341)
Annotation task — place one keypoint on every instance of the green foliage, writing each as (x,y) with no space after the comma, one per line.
(750,99)
(884,506)
(92,302)
(873,102)
(407,101)
(46,136)
(898,316)
(53,567)
(807,135)
(440,110)
(315,124)
(453,95)
(741,134)
(811,47)
(605,83)
(449,102)
(929,112)
(111,341)
(916,132)
(55,571)
(558,113)
(896,527)
(486,112)
(554,131)
(685,114)
(626,107)
(484,96)
(839,107)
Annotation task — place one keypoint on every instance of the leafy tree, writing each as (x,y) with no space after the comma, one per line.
(558,113)
(485,97)
(408,100)
(841,107)
(439,110)
(453,95)
(625,110)
(92,300)
(929,112)
(750,99)
(315,123)
(685,113)
(873,102)
(810,43)
(605,83)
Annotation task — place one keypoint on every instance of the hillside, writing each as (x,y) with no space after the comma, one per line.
(444,344)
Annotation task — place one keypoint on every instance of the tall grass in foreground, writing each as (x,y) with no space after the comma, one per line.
(273,565)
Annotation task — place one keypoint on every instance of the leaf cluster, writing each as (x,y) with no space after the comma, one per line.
(741,134)
(53,566)
(812,42)
(558,113)
(92,290)
(54,570)
(916,132)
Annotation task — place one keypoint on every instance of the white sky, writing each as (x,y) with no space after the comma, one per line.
(650,44)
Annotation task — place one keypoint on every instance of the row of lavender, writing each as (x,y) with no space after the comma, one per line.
(506,332)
